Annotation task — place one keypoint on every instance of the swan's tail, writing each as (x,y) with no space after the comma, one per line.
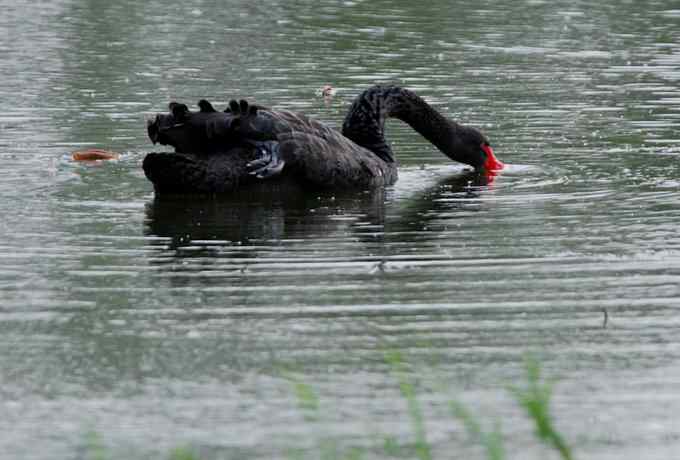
(176,173)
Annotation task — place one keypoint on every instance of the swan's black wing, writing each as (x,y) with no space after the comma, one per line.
(290,143)
(329,162)
(257,123)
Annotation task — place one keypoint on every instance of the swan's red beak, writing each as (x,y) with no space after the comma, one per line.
(492,163)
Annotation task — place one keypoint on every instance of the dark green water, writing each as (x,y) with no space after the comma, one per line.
(162,324)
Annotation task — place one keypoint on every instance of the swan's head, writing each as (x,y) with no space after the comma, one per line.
(170,129)
(472,147)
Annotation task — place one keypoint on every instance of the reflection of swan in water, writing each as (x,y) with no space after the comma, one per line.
(274,211)
(225,151)
(268,211)
(459,192)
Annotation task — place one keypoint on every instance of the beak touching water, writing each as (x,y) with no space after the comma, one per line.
(492,163)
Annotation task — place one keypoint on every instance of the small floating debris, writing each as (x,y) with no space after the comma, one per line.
(327,91)
(378,268)
(94,155)
(606,318)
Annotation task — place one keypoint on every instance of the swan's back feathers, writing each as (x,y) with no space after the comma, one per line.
(284,121)
(333,161)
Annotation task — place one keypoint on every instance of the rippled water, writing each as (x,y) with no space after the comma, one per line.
(147,325)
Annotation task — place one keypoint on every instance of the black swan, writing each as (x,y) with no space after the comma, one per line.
(223,151)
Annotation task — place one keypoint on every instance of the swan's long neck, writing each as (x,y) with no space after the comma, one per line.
(365,121)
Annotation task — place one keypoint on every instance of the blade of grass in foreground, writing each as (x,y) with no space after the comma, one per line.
(183,453)
(492,441)
(535,399)
(408,391)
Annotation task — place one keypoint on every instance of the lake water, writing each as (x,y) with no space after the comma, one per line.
(257,326)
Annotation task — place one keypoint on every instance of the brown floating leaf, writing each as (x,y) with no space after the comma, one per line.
(93,155)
